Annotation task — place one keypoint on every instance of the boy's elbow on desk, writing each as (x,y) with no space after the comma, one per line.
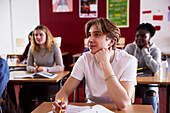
(122,106)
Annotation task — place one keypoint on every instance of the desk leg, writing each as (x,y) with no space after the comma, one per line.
(19,102)
(78,94)
(167,100)
(61,83)
(74,95)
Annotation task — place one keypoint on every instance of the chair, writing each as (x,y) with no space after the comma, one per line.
(57,40)
(85,42)
(77,89)
(133,96)
(121,43)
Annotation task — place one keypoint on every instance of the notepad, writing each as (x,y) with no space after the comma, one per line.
(87,109)
(97,109)
(37,75)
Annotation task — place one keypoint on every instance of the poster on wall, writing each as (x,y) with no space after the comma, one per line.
(88,8)
(62,6)
(118,12)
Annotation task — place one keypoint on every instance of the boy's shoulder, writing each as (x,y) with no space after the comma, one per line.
(123,55)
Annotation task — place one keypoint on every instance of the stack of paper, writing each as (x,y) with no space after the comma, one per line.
(87,109)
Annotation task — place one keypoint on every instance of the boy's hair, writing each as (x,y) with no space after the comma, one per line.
(105,26)
(49,39)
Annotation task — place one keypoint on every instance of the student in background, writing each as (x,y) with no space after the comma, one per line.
(110,73)
(149,58)
(4,77)
(47,57)
(25,54)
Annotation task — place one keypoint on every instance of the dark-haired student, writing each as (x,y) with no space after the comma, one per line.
(25,53)
(149,58)
(110,73)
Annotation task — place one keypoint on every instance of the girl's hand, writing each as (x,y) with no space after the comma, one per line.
(57,105)
(17,61)
(41,68)
(36,69)
(146,45)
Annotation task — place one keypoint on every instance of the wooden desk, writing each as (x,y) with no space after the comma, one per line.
(156,80)
(76,56)
(45,107)
(12,55)
(16,55)
(54,80)
(14,65)
(166,52)
(65,53)
(153,80)
(28,81)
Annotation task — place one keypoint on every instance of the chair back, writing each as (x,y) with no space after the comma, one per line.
(85,42)
(121,43)
(57,40)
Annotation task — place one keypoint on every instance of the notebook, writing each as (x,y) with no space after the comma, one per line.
(37,75)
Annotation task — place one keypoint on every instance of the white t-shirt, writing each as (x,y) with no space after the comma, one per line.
(124,67)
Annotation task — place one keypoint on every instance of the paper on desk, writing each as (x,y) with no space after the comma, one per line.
(97,109)
(86,109)
(25,76)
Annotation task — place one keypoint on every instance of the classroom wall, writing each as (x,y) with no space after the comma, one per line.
(5,30)
(159,16)
(18,18)
(71,28)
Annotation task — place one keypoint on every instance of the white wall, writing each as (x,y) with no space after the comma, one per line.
(5,30)
(158,7)
(17,23)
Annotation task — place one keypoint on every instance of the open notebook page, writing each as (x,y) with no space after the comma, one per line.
(86,109)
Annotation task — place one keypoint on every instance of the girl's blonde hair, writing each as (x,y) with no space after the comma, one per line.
(49,39)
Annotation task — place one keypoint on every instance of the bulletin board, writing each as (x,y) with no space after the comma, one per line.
(158,14)
(118,12)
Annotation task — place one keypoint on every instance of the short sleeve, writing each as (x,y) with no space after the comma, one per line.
(130,71)
(78,69)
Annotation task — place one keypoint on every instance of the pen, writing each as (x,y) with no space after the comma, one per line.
(61,102)
(139,68)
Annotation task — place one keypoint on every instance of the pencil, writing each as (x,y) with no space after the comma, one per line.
(61,102)
(139,68)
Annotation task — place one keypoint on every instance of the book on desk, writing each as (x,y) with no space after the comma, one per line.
(144,72)
(37,75)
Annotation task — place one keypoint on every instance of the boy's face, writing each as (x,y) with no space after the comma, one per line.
(97,40)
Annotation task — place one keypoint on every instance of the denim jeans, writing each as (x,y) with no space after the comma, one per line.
(151,100)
